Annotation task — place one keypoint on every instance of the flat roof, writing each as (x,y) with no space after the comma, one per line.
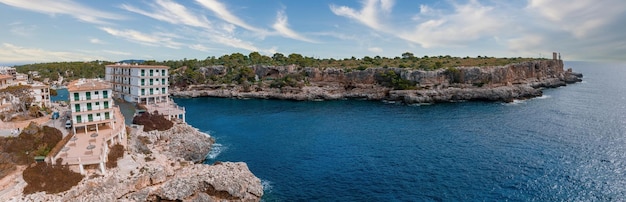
(138,66)
(88,84)
(5,77)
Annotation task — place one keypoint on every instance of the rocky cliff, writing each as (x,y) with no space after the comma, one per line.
(160,167)
(497,83)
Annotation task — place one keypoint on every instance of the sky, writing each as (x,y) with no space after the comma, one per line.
(36,31)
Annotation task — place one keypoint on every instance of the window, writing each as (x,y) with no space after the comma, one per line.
(162,81)
(105,94)
(163,73)
(88,94)
(76,97)
(143,91)
(97,103)
(77,107)
(151,80)
(143,82)
(162,90)
(79,119)
(151,72)
(88,106)
(95,92)
(151,91)
(106,104)
(106,115)
(90,117)
(98,114)
(143,72)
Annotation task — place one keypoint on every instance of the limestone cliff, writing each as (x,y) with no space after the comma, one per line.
(497,83)
(159,167)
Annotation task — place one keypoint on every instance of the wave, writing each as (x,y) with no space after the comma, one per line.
(542,97)
(216,150)
(267,186)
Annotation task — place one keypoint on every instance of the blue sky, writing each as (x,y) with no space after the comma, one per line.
(71,30)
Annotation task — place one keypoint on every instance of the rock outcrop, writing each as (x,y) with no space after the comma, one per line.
(497,83)
(160,167)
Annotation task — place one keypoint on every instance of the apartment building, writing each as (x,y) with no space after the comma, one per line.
(91,104)
(143,84)
(97,125)
(41,94)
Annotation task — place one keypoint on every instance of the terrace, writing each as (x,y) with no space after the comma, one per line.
(89,147)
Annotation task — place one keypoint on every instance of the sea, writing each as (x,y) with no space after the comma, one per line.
(567,145)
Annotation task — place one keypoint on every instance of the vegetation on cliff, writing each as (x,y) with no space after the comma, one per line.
(50,178)
(68,70)
(21,150)
(153,121)
(188,72)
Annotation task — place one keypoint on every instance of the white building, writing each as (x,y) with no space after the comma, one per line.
(6,81)
(97,125)
(8,71)
(91,104)
(41,94)
(143,84)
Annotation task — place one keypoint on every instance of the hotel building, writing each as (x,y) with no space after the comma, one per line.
(143,84)
(146,85)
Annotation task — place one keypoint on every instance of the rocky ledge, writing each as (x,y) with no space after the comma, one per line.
(159,166)
(498,83)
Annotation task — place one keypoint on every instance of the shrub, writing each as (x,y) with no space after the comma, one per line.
(393,80)
(153,121)
(50,179)
(117,152)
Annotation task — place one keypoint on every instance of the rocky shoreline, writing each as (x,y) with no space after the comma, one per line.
(499,83)
(163,166)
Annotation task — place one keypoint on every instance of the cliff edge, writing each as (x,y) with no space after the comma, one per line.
(494,83)
(159,166)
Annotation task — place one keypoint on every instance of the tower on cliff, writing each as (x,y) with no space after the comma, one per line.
(554,55)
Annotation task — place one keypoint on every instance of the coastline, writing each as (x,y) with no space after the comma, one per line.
(158,165)
(501,83)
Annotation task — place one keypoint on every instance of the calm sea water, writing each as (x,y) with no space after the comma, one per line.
(568,145)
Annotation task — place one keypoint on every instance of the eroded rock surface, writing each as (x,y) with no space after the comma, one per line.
(497,83)
(162,170)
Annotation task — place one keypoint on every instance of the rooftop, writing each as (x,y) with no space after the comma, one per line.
(5,77)
(124,65)
(88,84)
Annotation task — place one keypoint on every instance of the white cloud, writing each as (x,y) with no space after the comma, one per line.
(375,49)
(117,52)
(579,18)
(172,12)
(66,7)
(368,15)
(199,47)
(283,29)
(177,14)
(23,31)
(465,23)
(220,10)
(96,41)
(154,39)
(468,22)
(234,42)
(10,53)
